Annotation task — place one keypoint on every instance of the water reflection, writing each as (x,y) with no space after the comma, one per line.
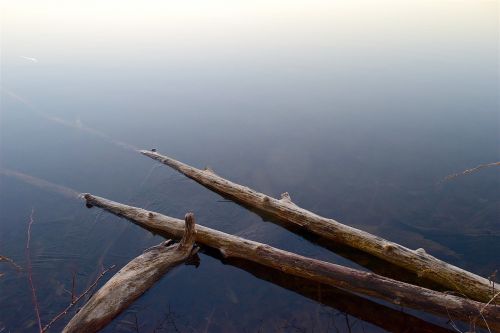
(357,108)
(359,307)
(382,316)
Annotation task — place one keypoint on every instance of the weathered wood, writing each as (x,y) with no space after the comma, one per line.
(417,261)
(353,280)
(132,281)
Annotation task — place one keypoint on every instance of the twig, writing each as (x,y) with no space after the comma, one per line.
(73,295)
(150,173)
(209,320)
(77,299)
(30,274)
(136,323)
(482,309)
(472,170)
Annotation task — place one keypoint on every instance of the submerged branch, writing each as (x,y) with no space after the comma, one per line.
(30,272)
(40,183)
(472,170)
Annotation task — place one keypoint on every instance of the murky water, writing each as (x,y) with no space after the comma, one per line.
(357,109)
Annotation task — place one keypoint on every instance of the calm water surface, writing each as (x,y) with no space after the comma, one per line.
(357,109)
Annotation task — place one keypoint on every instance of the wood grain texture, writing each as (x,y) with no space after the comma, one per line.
(349,279)
(417,261)
(132,281)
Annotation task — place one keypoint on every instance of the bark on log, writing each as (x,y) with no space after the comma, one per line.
(132,281)
(417,261)
(353,280)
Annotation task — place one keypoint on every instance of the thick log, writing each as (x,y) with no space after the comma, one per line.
(417,261)
(132,281)
(349,279)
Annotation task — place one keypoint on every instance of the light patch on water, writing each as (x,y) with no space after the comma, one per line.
(77,124)
(40,183)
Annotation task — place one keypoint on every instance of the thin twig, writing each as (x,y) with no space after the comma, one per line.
(489,302)
(485,322)
(30,274)
(65,311)
(209,320)
(472,170)
(73,284)
(136,323)
(482,310)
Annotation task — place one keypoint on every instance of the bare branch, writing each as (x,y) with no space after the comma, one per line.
(75,300)
(30,272)
(472,170)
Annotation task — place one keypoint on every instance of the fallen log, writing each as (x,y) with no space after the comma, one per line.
(132,281)
(417,261)
(366,283)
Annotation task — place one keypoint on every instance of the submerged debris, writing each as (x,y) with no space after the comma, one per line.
(472,170)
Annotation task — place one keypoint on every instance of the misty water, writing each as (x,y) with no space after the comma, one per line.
(357,109)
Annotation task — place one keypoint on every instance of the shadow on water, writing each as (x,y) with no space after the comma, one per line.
(379,315)
(77,125)
(359,257)
(368,261)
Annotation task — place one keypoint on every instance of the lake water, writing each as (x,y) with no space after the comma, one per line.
(356,108)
